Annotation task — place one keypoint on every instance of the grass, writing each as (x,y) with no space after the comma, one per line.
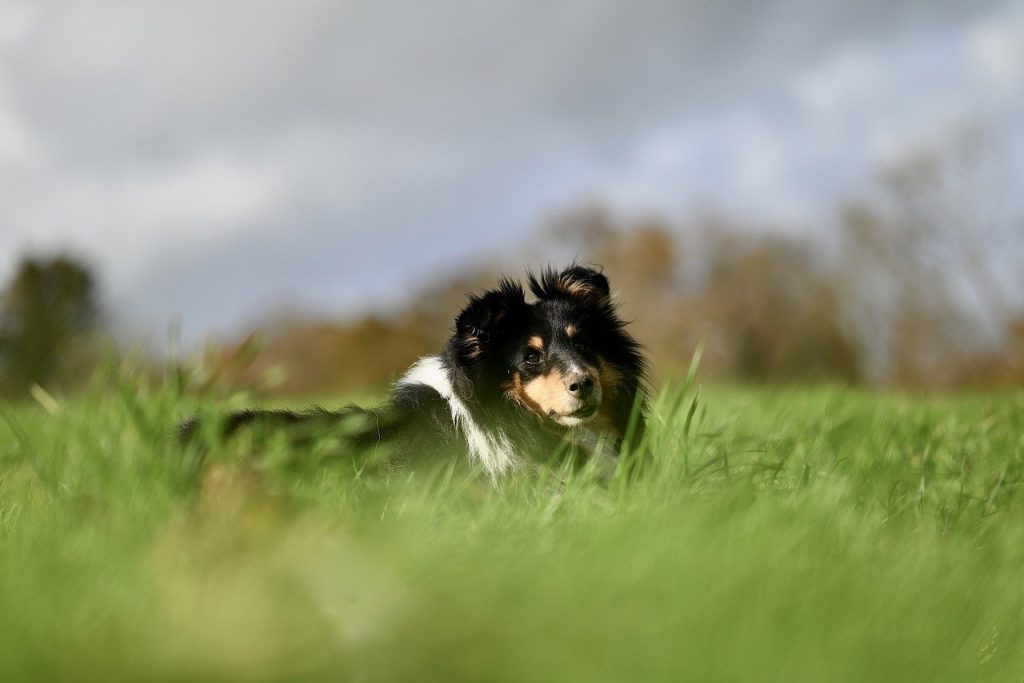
(795,535)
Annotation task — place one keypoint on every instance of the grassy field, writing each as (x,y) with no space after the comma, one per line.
(815,534)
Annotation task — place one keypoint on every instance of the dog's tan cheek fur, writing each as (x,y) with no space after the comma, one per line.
(514,389)
(517,391)
(548,393)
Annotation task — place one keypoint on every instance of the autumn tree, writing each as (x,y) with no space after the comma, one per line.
(764,307)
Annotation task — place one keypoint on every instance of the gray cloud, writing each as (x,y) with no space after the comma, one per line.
(214,156)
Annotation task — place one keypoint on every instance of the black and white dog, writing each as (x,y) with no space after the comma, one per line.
(516,381)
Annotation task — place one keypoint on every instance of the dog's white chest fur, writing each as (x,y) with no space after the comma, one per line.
(492,449)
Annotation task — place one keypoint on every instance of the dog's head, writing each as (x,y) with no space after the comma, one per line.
(560,357)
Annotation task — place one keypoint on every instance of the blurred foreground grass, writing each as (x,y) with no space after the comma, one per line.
(798,535)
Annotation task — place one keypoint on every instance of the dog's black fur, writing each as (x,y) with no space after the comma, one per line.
(515,381)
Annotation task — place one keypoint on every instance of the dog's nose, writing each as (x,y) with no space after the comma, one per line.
(580,385)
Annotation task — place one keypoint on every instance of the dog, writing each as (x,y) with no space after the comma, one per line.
(517,381)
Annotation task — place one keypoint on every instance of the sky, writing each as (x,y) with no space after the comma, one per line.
(218,159)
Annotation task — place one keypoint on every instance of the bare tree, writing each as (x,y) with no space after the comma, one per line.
(933,262)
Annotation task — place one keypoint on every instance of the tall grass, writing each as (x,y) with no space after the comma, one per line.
(801,535)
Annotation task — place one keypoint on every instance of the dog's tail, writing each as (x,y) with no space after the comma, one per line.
(358,427)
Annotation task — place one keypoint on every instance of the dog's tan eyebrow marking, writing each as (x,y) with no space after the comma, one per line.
(536,342)
(570,330)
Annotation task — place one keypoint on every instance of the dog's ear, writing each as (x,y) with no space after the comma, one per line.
(575,282)
(486,318)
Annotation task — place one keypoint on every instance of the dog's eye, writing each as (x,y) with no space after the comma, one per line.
(532,358)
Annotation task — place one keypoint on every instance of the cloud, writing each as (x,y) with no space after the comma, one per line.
(212,157)
(820,133)
(996,47)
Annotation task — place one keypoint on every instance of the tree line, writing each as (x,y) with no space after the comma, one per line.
(921,286)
